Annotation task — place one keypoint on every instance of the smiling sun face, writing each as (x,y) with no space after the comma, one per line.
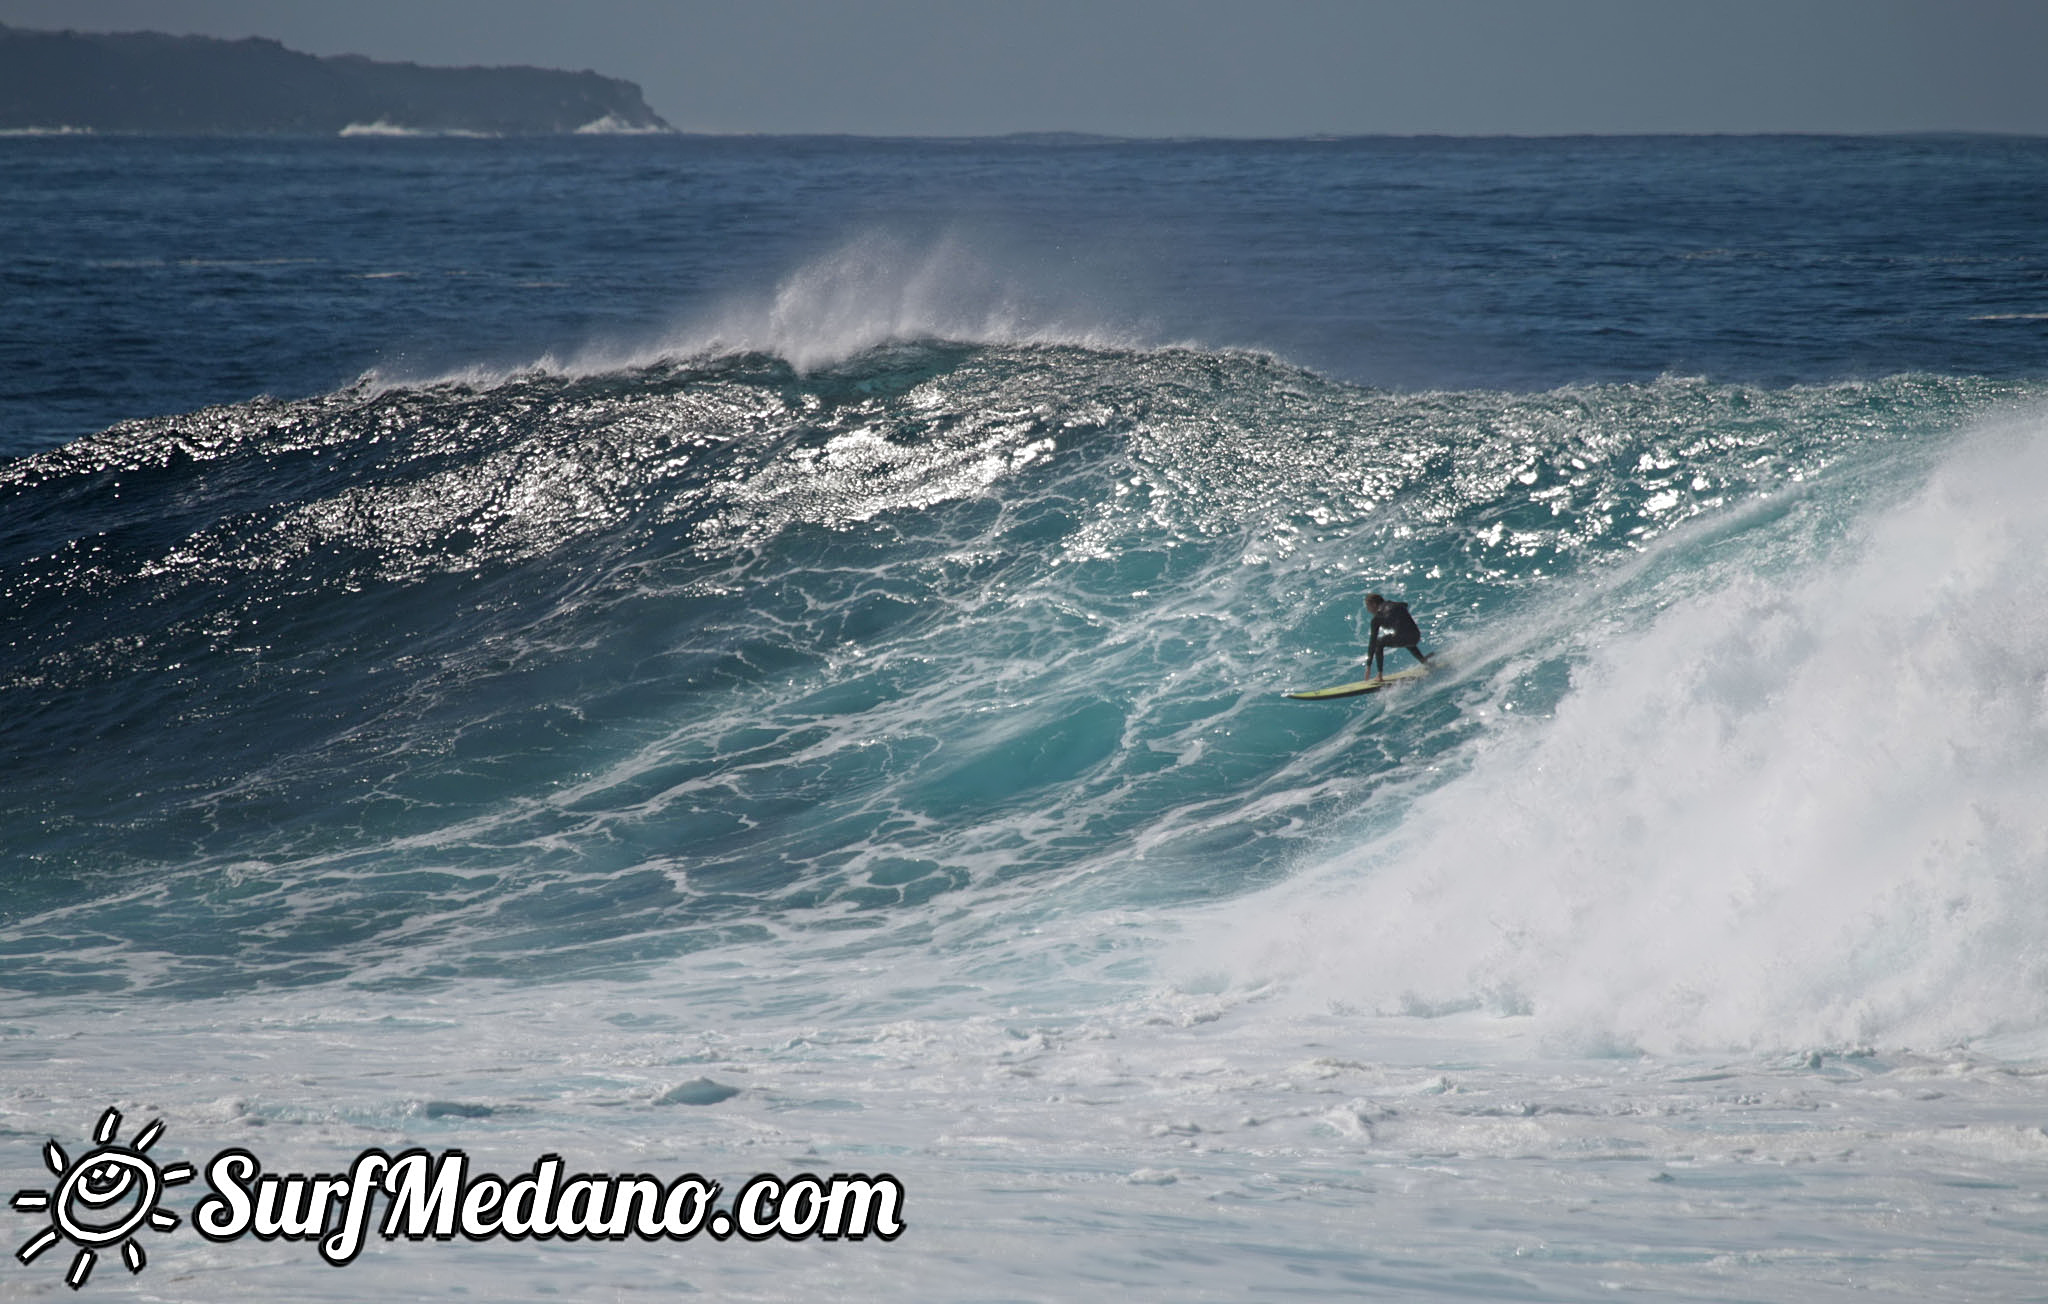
(103,1198)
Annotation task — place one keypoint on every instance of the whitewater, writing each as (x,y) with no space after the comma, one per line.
(837,726)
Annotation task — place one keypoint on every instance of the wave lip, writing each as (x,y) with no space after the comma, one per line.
(872,292)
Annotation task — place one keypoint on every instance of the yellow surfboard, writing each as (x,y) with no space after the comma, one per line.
(1362,686)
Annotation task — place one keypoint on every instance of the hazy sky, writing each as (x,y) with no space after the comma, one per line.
(1208,67)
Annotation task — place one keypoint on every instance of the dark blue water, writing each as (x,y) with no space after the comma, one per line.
(153,276)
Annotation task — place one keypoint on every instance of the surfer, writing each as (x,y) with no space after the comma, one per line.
(1400,630)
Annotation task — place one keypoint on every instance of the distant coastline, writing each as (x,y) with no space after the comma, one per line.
(152,83)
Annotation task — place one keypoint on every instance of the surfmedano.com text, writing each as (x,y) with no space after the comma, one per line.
(437,1196)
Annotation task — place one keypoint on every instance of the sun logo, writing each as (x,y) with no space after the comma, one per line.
(103,1198)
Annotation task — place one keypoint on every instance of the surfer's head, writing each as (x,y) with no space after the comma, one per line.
(1373,602)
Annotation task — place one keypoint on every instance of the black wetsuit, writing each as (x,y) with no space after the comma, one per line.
(1400,630)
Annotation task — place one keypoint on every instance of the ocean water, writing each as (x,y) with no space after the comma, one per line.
(765,656)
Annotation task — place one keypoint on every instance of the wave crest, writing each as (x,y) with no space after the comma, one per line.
(876,290)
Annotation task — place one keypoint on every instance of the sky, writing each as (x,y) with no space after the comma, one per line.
(1207,67)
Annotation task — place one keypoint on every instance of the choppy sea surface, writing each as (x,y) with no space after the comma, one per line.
(740,656)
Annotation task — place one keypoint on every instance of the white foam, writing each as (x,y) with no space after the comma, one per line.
(611,124)
(1769,815)
(384,127)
